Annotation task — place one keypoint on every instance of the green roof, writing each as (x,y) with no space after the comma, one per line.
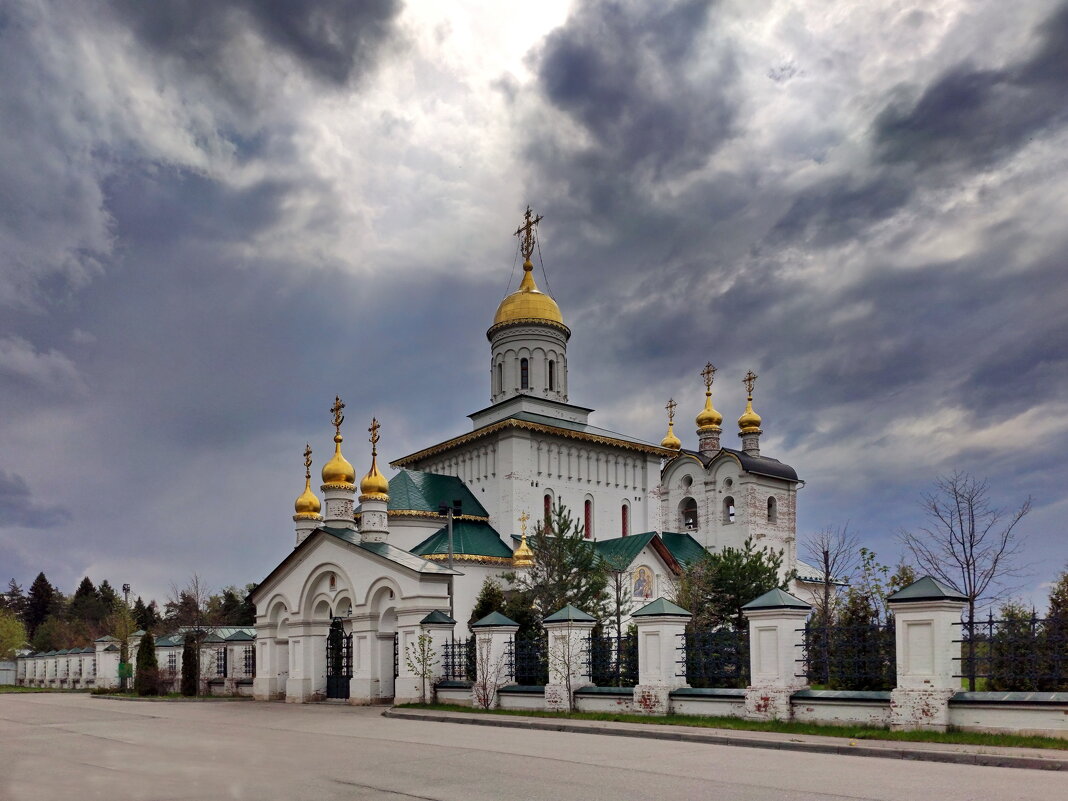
(106,638)
(111,648)
(240,636)
(469,537)
(438,617)
(927,589)
(661,606)
(618,553)
(776,599)
(494,619)
(570,614)
(683,547)
(415,491)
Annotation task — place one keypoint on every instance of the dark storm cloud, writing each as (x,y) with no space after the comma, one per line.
(979,116)
(18,509)
(333,40)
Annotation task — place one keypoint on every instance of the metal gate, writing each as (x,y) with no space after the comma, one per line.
(338,660)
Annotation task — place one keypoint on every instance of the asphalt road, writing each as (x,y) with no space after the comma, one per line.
(76,747)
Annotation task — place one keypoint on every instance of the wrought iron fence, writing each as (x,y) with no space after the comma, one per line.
(1023,653)
(528,660)
(458,660)
(717,658)
(613,661)
(850,656)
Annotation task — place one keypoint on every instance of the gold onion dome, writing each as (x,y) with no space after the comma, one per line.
(528,303)
(338,470)
(307,505)
(523,556)
(749,422)
(374,485)
(670,440)
(708,417)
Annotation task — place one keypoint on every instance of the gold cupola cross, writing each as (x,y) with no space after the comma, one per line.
(749,381)
(525,232)
(337,410)
(708,374)
(671,406)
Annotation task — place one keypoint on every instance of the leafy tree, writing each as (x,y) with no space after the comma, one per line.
(248,607)
(1015,658)
(146,679)
(515,605)
(861,647)
(121,625)
(1055,638)
(876,583)
(490,599)
(53,634)
(190,664)
(15,601)
(40,603)
(715,588)
(566,570)
(12,634)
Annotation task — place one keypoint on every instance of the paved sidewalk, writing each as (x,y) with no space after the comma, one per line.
(993,756)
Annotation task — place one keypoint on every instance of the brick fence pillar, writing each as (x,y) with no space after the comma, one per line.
(928,658)
(568,633)
(661,625)
(493,661)
(776,654)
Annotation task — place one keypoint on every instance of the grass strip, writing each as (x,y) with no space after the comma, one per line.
(846,731)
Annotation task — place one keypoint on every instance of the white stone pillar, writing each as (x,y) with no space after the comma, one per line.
(363,686)
(374,519)
(928,659)
(441,629)
(494,635)
(408,686)
(661,626)
(776,654)
(569,634)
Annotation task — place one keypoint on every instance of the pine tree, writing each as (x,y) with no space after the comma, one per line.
(86,605)
(111,599)
(141,616)
(190,664)
(40,603)
(146,680)
(15,601)
(490,599)
(248,607)
(1055,638)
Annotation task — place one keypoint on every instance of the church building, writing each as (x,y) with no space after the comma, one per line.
(373,560)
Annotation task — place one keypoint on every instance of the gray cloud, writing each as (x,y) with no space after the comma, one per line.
(18,509)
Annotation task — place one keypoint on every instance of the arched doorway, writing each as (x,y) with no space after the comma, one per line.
(338,660)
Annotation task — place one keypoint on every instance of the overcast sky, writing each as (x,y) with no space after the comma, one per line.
(216,215)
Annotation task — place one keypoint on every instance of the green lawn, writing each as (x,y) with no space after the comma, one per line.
(846,731)
(12,688)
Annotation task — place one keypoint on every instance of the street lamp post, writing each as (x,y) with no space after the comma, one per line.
(449,512)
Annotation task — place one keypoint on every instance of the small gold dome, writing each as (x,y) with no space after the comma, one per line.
(750,420)
(374,484)
(670,440)
(338,470)
(528,303)
(523,556)
(708,416)
(307,504)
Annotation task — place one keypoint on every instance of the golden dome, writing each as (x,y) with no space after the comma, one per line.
(749,422)
(374,484)
(708,416)
(338,470)
(670,440)
(528,303)
(307,504)
(523,556)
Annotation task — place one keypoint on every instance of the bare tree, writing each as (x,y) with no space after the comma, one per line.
(566,655)
(835,552)
(966,542)
(488,673)
(187,608)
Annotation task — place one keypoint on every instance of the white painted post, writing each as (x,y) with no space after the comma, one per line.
(408,686)
(776,653)
(928,659)
(661,626)
(568,632)
(493,635)
(440,628)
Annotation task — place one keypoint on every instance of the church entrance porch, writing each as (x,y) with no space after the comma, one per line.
(338,660)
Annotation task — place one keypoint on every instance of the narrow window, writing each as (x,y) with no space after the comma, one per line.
(552,374)
(688,514)
(626,519)
(524,374)
(773,511)
(500,378)
(548,502)
(589,519)
(728,509)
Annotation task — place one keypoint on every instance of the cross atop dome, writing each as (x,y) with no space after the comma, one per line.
(525,232)
(708,374)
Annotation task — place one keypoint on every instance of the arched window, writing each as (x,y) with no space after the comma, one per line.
(552,374)
(688,514)
(589,519)
(524,374)
(728,509)
(548,503)
(626,519)
(500,377)
(773,510)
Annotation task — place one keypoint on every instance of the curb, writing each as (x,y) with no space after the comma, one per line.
(895,752)
(158,700)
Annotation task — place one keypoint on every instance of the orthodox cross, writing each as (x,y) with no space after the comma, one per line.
(525,232)
(523,518)
(708,374)
(373,439)
(307,461)
(749,381)
(671,405)
(339,418)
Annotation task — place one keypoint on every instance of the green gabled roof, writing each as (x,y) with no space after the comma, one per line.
(111,648)
(213,637)
(570,614)
(438,616)
(138,633)
(661,606)
(620,552)
(776,599)
(927,589)
(683,547)
(240,636)
(469,537)
(415,491)
(106,638)
(494,619)
(62,651)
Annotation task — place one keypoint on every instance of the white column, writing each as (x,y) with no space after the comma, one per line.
(776,650)
(568,632)
(661,625)
(408,686)
(926,614)
(493,637)
(441,629)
